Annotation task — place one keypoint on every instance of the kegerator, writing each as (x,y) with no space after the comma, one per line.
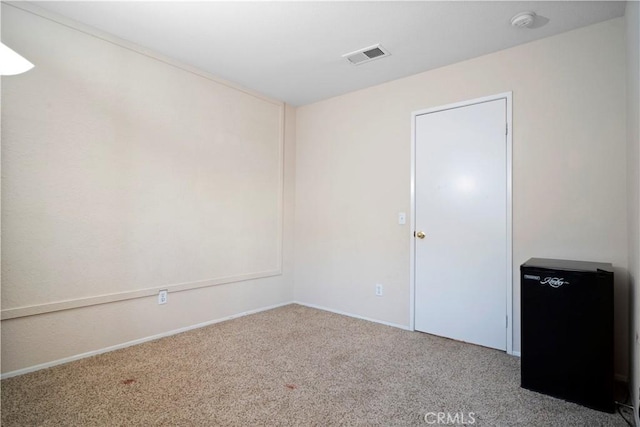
(567,330)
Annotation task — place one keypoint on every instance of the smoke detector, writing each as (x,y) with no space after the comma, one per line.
(367,54)
(523,19)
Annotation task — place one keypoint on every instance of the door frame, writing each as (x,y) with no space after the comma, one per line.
(509,241)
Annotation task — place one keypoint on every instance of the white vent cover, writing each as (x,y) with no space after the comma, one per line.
(367,54)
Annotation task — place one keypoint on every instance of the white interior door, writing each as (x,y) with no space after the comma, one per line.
(461,207)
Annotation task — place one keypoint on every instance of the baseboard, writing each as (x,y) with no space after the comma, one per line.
(319,307)
(618,377)
(135,342)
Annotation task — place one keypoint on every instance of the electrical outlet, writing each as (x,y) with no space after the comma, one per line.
(163,297)
(378,290)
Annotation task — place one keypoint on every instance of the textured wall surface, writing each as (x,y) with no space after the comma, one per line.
(569,172)
(123,172)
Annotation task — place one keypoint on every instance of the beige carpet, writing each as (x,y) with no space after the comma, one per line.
(289,366)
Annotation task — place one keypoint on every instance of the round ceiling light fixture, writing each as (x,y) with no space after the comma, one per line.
(523,19)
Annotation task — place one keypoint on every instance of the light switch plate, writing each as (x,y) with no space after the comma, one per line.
(402,218)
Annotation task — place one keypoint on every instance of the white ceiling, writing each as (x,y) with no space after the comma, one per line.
(292,51)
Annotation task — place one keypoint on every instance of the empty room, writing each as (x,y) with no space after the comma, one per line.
(320,213)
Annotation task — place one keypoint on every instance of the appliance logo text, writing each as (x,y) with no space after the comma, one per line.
(554,282)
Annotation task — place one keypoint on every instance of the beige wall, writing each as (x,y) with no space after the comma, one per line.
(569,172)
(125,173)
(632,17)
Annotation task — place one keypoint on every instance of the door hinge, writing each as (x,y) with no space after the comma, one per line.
(506,132)
(507,321)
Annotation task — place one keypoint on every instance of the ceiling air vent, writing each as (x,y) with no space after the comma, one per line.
(367,54)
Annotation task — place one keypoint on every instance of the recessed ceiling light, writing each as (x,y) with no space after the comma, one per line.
(523,19)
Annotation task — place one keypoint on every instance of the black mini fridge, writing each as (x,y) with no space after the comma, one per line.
(567,330)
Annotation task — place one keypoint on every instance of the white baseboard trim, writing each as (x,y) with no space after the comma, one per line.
(618,377)
(135,342)
(319,307)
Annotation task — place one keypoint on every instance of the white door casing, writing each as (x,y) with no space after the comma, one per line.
(461,272)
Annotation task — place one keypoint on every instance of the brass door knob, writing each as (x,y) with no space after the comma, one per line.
(420,234)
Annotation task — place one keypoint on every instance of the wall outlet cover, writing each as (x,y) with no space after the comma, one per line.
(163,297)
(379,290)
